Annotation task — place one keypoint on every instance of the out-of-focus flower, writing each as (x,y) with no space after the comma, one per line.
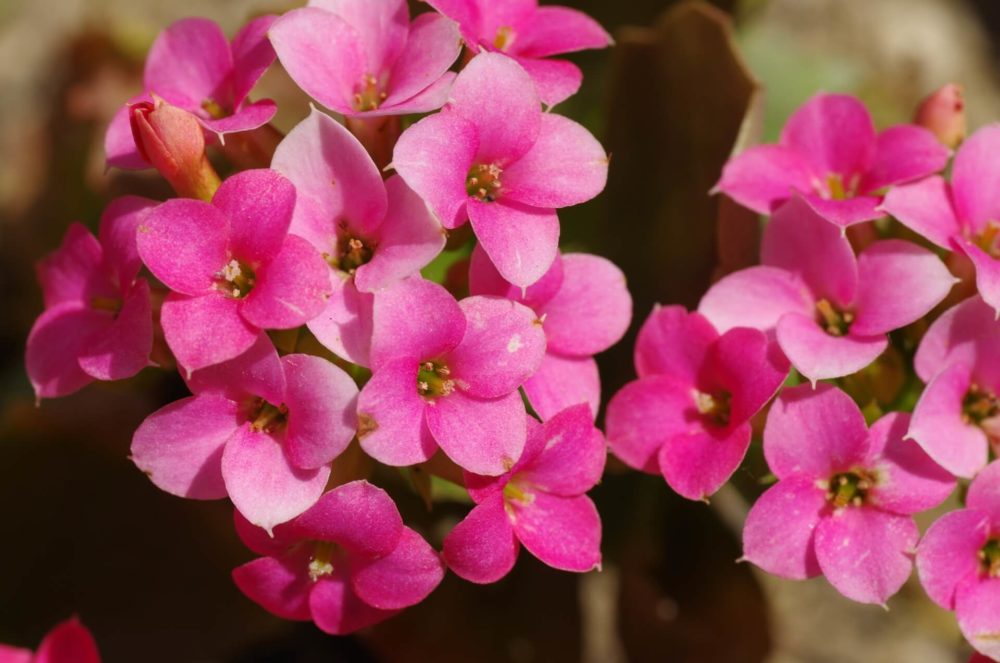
(68,642)
(943,114)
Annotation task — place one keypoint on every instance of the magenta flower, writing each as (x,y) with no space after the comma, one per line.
(98,322)
(830,310)
(346,563)
(540,502)
(586,309)
(958,561)
(447,374)
(493,157)
(371,233)
(830,155)
(365,58)
(193,66)
(259,429)
(845,495)
(233,268)
(67,642)
(688,415)
(961,215)
(958,414)
(529,34)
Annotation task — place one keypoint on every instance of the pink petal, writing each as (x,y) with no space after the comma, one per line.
(206,330)
(904,153)
(322,403)
(502,347)
(247,118)
(554,30)
(987,271)
(947,557)
(495,15)
(778,534)
(257,372)
(189,63)
(415,319)
(865,553)
(566,166)
(744,363)
(572,454)
(908,480)
(117,235)
(482,548)
(280,586)
(430,99)
(391,416)
(122,349)
(9,654)
(755,297)
(834,132)
(357,515)
(259,206)
(119,144)
(975,201)
(75,272)
(409,238)
(482,436)
(179,447)
(184,244)
(940,429)
(252,56)
(521,241)
(555,80)
(814,433)
(818,355)
(978,617)
(431,48)
(68,642)
(960,334)
(892,261)
(673,342)
(696,464)
(843,213)
(563,532)
(925,208)
(56,341)
(464,12)
(764,176)
(337,610)
(484,279)
(497,97)
(984,492)
(404,577)
(262,483)
(561,382)
(383,26)
(345,326)
(291,290)
(275,544)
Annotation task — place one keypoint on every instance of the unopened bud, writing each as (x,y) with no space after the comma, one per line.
(943,113)
(172,140)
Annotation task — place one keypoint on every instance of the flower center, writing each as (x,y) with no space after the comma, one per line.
(849,488)
(833,321)
(235,279)
(714,407)
(483,182)
(351,253)
(505,37)
(837,189)
(106,304)
(321,561)
(213,108)
(979,405)
(433,380)
(989,558)
(514,493)
(368,96)
(268,418)
(987,240)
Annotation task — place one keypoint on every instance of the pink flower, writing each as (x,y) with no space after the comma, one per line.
(98,323)
(943,113)
(233,268)
(193,66)
(529,34)
(540,502)
(688,415)
(830,310)
(447,373)
(830,154)
(961,215)
(365,57)
(346,563)
(958,414)
(371,233)
(492,156)
(958,561)
(586,309)
(67,642)
(845,495)
(259,429)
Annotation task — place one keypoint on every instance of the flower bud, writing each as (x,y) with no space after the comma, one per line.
(172,140)
(943,112)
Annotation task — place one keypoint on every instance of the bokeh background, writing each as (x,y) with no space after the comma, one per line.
(83,532)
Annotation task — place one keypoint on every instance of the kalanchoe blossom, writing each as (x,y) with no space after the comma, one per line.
(259,429)
(447,374)
(529,34)
(68,642)
(943,114)
(365,57)
(958,561)
(540,503)
(371,233)
(233,268)
(845,495)
(958,414)
(346,563)
(98,322)
(963,214)
(829,310)
(688,415)
(830,155)
(586,309)
(493,157)
(193,66)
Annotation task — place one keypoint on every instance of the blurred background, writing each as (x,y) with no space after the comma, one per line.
(83,532)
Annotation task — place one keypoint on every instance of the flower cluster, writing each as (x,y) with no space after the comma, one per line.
(851,276)
(290,298)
